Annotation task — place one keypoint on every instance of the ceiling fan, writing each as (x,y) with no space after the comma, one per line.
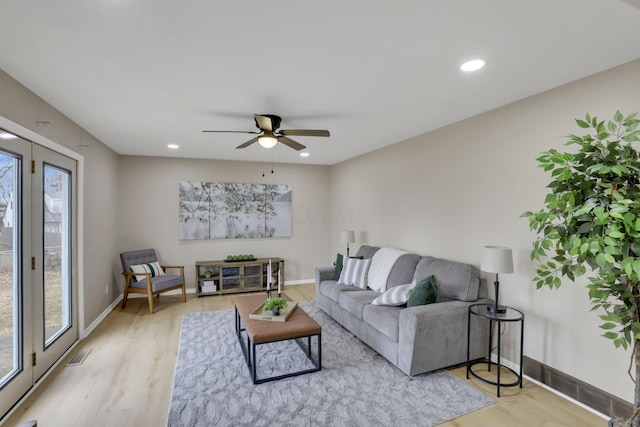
(269,134)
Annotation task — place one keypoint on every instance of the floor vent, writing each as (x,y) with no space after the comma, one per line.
(79,357)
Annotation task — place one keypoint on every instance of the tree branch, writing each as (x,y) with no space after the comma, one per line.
(633,355)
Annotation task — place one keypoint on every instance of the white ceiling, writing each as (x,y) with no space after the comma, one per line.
(140,74)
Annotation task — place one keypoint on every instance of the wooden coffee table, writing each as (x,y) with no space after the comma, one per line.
(259,332)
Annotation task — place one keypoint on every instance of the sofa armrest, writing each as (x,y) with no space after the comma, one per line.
(322,274)
(434,336)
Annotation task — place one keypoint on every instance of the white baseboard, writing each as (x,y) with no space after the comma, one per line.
(299,282)
(100,318)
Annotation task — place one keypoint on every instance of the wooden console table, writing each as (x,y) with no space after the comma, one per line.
(238,276)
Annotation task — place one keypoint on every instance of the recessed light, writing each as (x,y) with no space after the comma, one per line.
(472,65)
(304,154)
(173,146)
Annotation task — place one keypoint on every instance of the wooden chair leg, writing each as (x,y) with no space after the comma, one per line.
(124,299)
(184,293)
(126,292)
(150,298)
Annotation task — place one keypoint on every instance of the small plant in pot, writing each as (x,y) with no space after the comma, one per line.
(276,305)
(208,273)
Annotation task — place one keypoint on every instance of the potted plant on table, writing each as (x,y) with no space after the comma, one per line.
(276,305)
(590,225)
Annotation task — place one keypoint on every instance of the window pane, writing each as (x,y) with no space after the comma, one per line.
(10,286)
(57,280)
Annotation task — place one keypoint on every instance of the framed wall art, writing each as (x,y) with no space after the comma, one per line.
(214,210)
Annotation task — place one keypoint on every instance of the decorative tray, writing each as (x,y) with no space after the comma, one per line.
(262,314)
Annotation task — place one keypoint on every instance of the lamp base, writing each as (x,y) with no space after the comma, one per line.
(492,309)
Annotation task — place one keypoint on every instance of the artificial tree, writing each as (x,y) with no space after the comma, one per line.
(590,226)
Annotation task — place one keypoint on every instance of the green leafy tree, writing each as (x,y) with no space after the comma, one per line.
(590,226)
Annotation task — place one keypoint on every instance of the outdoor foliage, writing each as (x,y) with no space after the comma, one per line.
(590,222)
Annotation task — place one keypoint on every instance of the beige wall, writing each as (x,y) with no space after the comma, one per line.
(452,191)
(148,217)
(21,106)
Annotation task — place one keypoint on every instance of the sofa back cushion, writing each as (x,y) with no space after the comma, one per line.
(456,280)
(366,252)
(403,270)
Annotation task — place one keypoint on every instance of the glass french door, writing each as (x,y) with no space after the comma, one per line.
(38,320)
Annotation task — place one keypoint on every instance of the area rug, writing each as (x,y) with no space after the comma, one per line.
(356,386)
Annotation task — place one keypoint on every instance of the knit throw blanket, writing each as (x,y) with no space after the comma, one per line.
(381,265)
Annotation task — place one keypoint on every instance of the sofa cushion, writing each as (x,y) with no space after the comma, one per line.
(332,290)
(384,319)
(354,272)
(338,269)
(396,296)
(354,302)
(381,264)
(423,293)
(366,252)
(159,283)
(456,280)
(403,270)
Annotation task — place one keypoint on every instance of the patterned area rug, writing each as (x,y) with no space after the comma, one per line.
(356,386)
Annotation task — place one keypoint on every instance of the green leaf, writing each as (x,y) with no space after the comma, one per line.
(636,267)
(600,260)
(614,233)
(610,335)
(585,228)
(618,116)
(607,326)
(582,124)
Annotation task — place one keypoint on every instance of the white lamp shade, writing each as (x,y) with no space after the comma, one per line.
(497,259)
(347,236)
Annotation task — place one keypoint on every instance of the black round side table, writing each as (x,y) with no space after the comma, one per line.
(511,315)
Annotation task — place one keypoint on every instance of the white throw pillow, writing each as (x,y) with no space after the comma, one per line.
(152,268)
(396,296)
(354,272)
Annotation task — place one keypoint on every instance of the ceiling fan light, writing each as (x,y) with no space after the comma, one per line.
(267,141)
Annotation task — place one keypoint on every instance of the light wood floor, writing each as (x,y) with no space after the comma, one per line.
(126,380)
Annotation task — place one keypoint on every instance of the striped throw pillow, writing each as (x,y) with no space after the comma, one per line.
(396,296)
(152,268)
(354,272)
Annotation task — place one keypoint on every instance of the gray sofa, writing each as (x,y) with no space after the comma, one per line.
(415,339)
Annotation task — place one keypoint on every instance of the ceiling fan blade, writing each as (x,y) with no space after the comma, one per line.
(304,132)
(231,131)
(264,122)
(291,143)
(248,143)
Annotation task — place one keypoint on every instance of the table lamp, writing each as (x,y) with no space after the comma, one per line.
(497,259)
(348,236)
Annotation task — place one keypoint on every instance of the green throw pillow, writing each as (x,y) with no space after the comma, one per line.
(424,292)
(338,269)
